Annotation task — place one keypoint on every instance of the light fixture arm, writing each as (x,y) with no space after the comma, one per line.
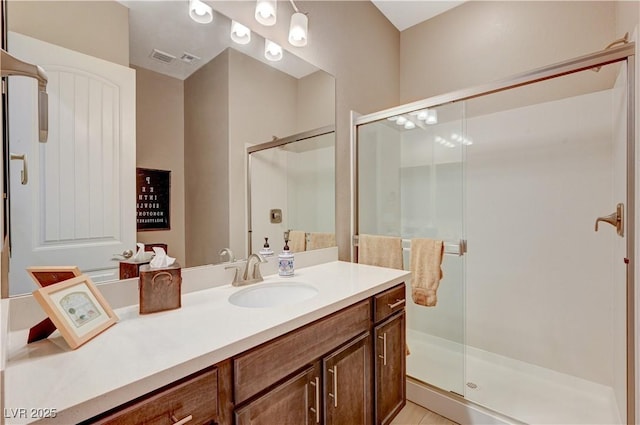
(295,8)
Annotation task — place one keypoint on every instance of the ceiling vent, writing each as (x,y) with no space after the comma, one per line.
(161,56)
(189,58)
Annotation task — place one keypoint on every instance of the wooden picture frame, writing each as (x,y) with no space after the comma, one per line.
(48,275)
(77,308)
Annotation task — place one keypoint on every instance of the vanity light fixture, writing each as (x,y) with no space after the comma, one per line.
(272,51)
(432,116)
(200,11)
(239,33)
(409,125)
(298,29)
(266,12)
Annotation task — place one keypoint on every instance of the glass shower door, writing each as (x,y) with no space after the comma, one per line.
(410,184)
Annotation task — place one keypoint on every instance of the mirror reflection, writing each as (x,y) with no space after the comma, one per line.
(140,84)
(292,189)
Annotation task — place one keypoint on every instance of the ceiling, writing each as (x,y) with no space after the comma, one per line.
(179,35)
(404,14)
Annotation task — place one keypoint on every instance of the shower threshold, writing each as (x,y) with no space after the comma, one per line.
(527,392)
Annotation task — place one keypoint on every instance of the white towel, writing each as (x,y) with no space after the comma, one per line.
(383,251)
(426,271)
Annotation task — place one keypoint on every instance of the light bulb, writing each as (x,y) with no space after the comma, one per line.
(272,51)
(298,29)
(200,12)
(422,115)
(266,12)
(401,120)
(432,116)
(239,33)
(409,125)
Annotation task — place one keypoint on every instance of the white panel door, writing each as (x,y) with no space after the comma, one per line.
(78,207)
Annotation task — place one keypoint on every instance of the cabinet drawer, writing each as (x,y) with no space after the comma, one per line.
(388,302)
(267,364)
(195,397)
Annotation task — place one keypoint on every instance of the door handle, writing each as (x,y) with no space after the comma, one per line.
(24,176)
(615,219)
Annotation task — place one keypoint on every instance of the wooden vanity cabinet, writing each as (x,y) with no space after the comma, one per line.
(389,354)
(296,401)
(202,398)
(347,384)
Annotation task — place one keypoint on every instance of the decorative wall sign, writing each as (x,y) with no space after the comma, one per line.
(152,199)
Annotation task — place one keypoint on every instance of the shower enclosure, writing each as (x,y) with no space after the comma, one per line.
(535,313)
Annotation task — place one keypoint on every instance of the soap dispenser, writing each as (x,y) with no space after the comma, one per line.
(285,259)
(266,251)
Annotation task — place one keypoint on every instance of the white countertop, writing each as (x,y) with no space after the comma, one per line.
(142,353)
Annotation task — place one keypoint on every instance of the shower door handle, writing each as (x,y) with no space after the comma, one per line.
(615,219)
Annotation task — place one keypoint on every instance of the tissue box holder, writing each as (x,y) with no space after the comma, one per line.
(160,289)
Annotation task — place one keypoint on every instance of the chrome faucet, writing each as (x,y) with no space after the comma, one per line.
(250,274)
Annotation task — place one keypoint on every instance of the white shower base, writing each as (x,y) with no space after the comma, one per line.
(523,391)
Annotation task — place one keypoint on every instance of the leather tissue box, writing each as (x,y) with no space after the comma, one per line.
(160,289)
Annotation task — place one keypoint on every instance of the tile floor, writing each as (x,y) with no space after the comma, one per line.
(412,414)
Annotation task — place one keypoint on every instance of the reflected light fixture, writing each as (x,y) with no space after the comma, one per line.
(266,12)
(200,11)
(239,33)
(432,116)
(298,28)
(272,51)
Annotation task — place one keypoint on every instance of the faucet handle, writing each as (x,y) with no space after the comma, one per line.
(256,268)
(236,277)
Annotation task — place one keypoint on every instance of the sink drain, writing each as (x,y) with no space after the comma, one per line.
(472,385)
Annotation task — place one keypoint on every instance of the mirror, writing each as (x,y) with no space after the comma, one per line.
(291,186)
(200,100)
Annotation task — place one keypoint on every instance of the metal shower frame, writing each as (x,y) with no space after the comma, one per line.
(621,53)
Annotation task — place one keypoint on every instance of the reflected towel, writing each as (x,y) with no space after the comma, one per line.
(297,241)
(383,251)
(318,240)
(426,271)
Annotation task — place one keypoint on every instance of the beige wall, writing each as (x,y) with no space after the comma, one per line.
(206,154)
(100,28)
(316,104)
(348,39)
(480,41)
(160,145)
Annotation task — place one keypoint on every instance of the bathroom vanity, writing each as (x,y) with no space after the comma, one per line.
(337,357)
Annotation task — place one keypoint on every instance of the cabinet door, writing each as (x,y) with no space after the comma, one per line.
(390,358)
(347,384)
(295,402)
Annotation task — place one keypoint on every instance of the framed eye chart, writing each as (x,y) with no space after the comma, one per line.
(152,199)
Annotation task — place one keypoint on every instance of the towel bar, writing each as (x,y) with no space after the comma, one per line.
(458,248)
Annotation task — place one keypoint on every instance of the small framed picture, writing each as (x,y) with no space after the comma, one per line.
(48,275)
(77,308)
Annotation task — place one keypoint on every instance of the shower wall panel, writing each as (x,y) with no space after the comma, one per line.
(538,276)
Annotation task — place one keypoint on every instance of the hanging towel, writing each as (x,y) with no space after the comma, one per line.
(297,241)
(318,240)
(383,251)
(426,271)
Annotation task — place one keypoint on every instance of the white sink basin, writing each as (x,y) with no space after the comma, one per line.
(273,294)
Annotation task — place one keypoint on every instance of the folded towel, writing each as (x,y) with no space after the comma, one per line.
(318,240)
(383,251)
(297,241)
(426,271)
